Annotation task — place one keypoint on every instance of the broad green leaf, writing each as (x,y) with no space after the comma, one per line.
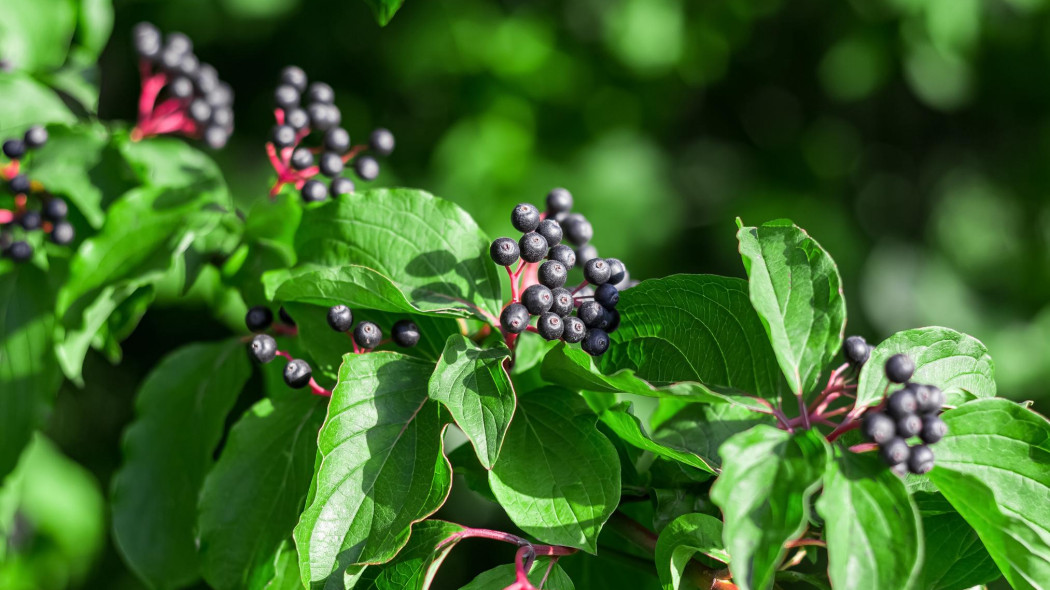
(465,464)
(955,557)
(621,420)
(26,101)
(428,247)
(768,477)
(384,10)
(382,467)
(796,289)
(951,360)
(872,527)
(610,571)
(472,383)
(95,23)
(669,504)
(35,36)
(171,162)
(688,535)
(994,468)
(416,564)
(253,496)
(181,411)
(701,429)
(503,576)
(29,376)
(283,570)
(558,478)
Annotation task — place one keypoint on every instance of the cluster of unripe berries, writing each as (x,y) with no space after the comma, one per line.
(198,103)
(554,305)
(913,411)
(295,122)
(49,217)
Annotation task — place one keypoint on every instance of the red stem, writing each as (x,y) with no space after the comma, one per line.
(11,170)
(864,447)
(6,216)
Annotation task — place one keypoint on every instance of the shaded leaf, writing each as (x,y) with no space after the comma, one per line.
(686,536)
(416,564)
(384,10)
(955,558)
(621,420)
(502,576)
(702,428)
(26,101)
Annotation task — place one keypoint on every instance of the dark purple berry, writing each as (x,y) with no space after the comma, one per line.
(337,140)
(577,229)
(297,374)
(596,271)
(31,220)
(537,299)
(302,158)
(283,136)
(55,209)
(899,368)
(366,168)
(331,164)
(894,451)
(258,319)
(550,230)
(586,253)
(933,429)
(525,217)
(341,186)
(340,318)
(878,427)
(286,97)
(930,399)
(36,136)
(564,255)
(574,330)
(909,426)
(553,274)
(504,251)
(559,200)
(381,141)
(607,295)
(550,326)
(14,148)
(612,320)
(532,247)
(515,318)
(295,77)
(263,348)
(591,313)
(319,92)
(617,271)
(856,350)
(20,251)
(596,342)
(901,403)
(367,335)
(20,184)
(405,333)
(313,191)
(563,302)
(920,459)
(62,233)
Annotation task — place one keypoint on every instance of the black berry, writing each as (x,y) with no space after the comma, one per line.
(323,116)
(899,368)
(901,403)
(537,299)
(586,253)
(612,320)
(596,271)
(550,326)
(200,111)
(178,43)
(550,230)
(578,230)
(19,184)
(381,142)
(286,96)
(283,136)
(525,217)
(607,295)
(340,318)
(563,302)
(14,148)
(222,117)
(314,191)
(258,319)
(297,119)
(30,220)
(515,318)
(56,209)
(504,251)
(36,136)
(337,140)
(617,271)
(20,251)
(405,333)
(216,137)
(297,374)
(62,233)
(319,92)
(366,168)
(574,330)
(929,398)
(894,451)
(591,313)
(878,427)
(302,158)
(933,429)
(909,426)
(920,459)
(856,350)
(263,348)
(341,186)
(295,77)
(146,40)
(564,255)
(596,342)
(367,335)
(553,274)
(331,164)
(207,79)
(559,200)
(532,247)
(220,96)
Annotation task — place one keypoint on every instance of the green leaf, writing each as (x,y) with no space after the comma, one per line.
(472,383)
(994,468)
(621,420)
(26,101)
(701,429)
(768,477)
(35,36)
(502,576)
(384,10)
(540,479)
(610,571)
(796,289)
(171,162)
(416,564)
(686,536)
(872,526)
(29,376)
(95,23)
(180,411)
(253,496)
(430,249)
(283,570)
(382,467)
(955,557)
(951,360)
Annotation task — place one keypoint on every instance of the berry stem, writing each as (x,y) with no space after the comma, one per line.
(11,170)
(803,412)
(515,295)
(318,390)
(864,447)
(851,422)
(353,152)
(806,542)
(278,115)
(579,287)
(283,330)
(6,216)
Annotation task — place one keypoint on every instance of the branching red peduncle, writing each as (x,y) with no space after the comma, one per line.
(523,559)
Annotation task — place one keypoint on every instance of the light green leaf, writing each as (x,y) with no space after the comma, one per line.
(701,429)
(283,570)
(768,477)
(181,412)
(558,478)
(686,536)
(26,101)
(472,383)
(171,162)
(253,496)
(35,36)
(384,10)
(872,526)
(951,360)
(428,247)
(382,467)
(502,576)
(416,564)
(796,289)
(955,557)
(994,468)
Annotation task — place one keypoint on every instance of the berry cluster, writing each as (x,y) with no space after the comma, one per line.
(367,335)
(198,103)
(912,411)
(48,216)
(544,293)
(299,164)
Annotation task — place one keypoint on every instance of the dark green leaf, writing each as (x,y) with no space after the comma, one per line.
(417,563)
(384,10)
(955,557)
(611,570)
(428,247)
(502,576)
(702,428)
(872,526)
(796,290)
(558,478)
(26,101)
(669,504)
(253,496)
(472,383)
(621,420)
(181,411)
(943,357)
(768,477)
(994,468)
(465,465)
(29,376)
(681,540)
(382,467)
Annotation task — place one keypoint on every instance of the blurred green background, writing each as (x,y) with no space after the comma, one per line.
(910,137)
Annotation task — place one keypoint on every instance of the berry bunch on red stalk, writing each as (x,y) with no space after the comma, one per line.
(32,209)
(299,164)
(196,103)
